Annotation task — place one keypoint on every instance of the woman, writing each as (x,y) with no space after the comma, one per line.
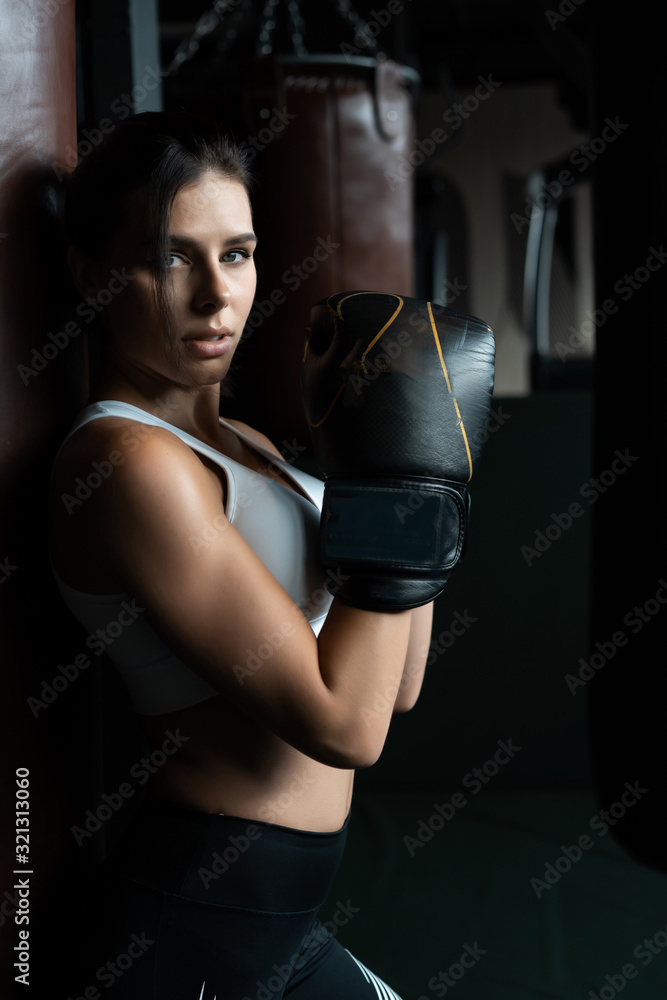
(199,544)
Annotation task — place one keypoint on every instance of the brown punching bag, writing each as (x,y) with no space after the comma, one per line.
(41,383)
(333,135)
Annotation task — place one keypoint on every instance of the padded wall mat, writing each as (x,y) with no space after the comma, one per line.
(512,895)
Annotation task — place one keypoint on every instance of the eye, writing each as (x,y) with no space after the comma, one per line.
(239,255)
(174,260)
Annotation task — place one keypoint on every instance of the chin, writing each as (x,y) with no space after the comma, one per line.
(212,376)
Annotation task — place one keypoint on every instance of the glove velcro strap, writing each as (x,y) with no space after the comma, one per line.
(411,524)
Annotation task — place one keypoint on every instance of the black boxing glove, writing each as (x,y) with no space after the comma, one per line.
(397,394)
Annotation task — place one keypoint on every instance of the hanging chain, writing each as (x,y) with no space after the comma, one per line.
(229,36)
(298,28)
(267,28)
(357,23)
(209,21)
(265,42)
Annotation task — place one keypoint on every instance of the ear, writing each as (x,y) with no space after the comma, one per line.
(86,272)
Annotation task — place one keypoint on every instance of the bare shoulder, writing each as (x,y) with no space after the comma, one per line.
(118,439)
(255,435)
(119,488)
(127,455)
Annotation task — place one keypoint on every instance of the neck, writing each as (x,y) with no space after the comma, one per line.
(194,409)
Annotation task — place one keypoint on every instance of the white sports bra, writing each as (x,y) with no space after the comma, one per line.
(279,524)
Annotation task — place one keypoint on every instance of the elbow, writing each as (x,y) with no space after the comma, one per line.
(409,689)
(356,747)
(369,759)
(365,756)
(405,702)
(346,736)
(347,743)
(352,758)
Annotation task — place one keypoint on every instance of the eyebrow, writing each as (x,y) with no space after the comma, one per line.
(187,241)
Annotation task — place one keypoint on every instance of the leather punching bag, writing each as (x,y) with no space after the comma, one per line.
(333,136)
(41,381)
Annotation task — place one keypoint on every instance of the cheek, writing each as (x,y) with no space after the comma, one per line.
(131,307)
(250,288)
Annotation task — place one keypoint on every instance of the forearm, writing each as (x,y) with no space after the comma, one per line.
(362,656)
(415,660)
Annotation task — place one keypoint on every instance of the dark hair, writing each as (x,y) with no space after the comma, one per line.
(160,151)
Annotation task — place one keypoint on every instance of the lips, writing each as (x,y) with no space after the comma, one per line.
(209,343)
(210,333)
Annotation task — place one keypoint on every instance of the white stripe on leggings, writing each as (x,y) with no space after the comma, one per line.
(383,991)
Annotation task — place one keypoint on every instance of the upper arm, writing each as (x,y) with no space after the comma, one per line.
(206,592)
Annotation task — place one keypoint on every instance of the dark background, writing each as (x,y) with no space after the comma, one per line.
(564,72)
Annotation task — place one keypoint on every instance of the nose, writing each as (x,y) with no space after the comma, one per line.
(212,292)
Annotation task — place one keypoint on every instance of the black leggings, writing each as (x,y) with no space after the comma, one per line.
(198,906)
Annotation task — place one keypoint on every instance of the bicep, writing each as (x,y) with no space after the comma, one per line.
(210,597)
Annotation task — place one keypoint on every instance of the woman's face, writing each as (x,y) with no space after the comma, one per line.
(211,288)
